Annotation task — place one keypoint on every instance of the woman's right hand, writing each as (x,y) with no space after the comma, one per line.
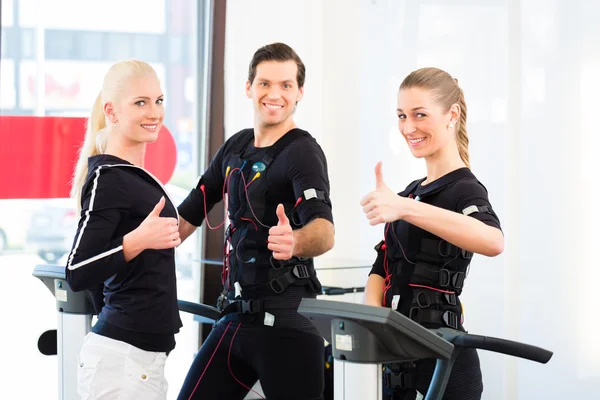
(155,232)
(159,232)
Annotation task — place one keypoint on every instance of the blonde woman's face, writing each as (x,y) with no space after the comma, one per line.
(140,111)
(423,123)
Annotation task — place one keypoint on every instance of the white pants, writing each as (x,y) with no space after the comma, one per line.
(109,369)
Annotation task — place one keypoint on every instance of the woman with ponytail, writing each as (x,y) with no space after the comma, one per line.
(432,229)
(124,244)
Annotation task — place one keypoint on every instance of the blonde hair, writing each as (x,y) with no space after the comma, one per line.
(96,134)
(446,92)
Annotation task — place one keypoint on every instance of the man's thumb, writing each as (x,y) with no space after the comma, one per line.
(158,207)
(283,219)
(379,183)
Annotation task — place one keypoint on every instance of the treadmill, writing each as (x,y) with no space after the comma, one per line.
(364,337)
(75,311)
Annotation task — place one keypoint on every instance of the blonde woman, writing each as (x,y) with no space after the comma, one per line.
(125,242)
(432,229)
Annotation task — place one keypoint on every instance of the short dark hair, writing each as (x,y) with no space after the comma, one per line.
(277,52)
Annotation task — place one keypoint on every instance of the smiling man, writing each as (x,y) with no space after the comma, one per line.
(276,182)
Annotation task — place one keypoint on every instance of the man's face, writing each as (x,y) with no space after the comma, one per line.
(274,91)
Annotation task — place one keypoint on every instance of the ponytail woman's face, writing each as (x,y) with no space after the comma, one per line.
(140,111)
(423,123)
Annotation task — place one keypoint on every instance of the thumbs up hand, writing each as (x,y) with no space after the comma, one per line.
(382,204)
(157,232)
(158,208)
(281,237)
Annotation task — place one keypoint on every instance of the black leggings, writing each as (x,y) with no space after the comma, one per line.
(288,363)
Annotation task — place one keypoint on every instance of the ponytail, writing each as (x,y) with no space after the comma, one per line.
(462,139)
(93,144)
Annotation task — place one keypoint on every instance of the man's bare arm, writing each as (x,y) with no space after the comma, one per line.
(314,239)
(185,229)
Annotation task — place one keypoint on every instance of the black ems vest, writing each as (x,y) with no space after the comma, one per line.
(427,261)
(252,211)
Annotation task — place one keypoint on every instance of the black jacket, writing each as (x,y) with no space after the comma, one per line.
(140,296)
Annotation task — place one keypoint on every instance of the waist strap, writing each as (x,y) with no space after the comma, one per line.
(443,278)
(399,381)
(251,306)
(257,306)
(444,249)
(283,277)
(424,298)
(437,317)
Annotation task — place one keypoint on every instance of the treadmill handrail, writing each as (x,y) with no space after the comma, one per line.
(509,347)
(497,345)
(334,290)
(202,310)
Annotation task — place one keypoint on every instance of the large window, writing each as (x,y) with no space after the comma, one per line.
(52,65)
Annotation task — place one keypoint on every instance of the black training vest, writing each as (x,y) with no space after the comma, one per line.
(432,262)
(252,211)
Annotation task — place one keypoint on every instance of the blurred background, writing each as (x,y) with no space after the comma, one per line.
(530,72)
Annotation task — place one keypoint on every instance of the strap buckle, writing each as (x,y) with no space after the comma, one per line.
(450,298)
(424,296)
(447,249)
(444,276)
(413,314)
(300,271)
(451,319)
(276,286)
(458,279)
(401,380)
(276,264)
(444,248)
(251,306)
(292,274)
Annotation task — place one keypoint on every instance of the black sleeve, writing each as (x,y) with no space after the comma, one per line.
(97,254)
(472,200)
(306,167)
(192,209)
(378,267)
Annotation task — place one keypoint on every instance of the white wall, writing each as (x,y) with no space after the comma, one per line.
(530,70)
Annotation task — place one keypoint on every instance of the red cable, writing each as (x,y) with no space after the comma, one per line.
(229,364)
(249,183)
(432,288)
(250,204)
(225,186)
(225,262)
(210,360)
(387,284)
(224,273)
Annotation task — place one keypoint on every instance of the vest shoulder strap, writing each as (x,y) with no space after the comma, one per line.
(246,136)
(411,188)
(281,144)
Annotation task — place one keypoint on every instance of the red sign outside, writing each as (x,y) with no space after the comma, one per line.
(38,154)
